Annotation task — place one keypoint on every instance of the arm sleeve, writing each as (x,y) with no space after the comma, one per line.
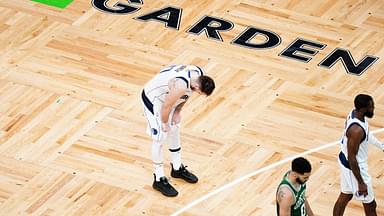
(373,140)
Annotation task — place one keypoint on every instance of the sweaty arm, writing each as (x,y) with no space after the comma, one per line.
(285,200)
(355,134)
(177,88)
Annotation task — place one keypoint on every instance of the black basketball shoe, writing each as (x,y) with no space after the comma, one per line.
(183,173)
(164,187)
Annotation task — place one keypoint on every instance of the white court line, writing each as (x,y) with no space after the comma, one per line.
(271,166)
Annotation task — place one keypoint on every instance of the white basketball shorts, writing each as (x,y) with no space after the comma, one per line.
(349,183)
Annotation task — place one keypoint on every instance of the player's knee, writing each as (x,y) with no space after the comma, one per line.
(370,207)
(156,144)
(174,129)
(344,199)
(345,196)
(372,204)
(159,136)
(349,197)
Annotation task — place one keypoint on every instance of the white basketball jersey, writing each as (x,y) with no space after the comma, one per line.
(362,154)
(157,88)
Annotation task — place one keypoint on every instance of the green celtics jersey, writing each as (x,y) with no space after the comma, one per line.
(298,208)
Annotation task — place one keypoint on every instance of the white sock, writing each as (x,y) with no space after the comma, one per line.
(174,146)
(176,160)
(157,158)
(159,170)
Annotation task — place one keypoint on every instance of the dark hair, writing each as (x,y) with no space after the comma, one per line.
(207,85)
(301,165)
(362,101)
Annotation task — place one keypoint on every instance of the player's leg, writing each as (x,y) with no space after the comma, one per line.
(173,140)
(346,194)
(158,159)
(369,202)
(370,208)
(160,182)
(178,169)
(341,203)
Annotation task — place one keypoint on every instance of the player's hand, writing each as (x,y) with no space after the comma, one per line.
(176,118)
(165,127)
(363,191)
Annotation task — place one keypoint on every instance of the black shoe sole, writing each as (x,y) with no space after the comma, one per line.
(187,180)
(164,193)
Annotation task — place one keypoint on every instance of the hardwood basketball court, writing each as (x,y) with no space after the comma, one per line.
(72,133)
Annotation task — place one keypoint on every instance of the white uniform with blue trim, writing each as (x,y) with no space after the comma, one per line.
(156,90)
(348,182)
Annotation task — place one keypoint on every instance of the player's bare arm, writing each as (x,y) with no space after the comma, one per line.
(179,107)
(177,88)
(355,134)
(176,118)
(285,200)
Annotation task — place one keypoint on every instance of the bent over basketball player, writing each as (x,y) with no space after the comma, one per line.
(163,98)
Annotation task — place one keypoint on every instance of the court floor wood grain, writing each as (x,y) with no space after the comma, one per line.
(72,133)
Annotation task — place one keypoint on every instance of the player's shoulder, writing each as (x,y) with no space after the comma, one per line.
(179,84)
(286,190)
(195,68)
(356,131)
(285,194)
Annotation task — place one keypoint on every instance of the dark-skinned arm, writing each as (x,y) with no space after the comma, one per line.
(355,134)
